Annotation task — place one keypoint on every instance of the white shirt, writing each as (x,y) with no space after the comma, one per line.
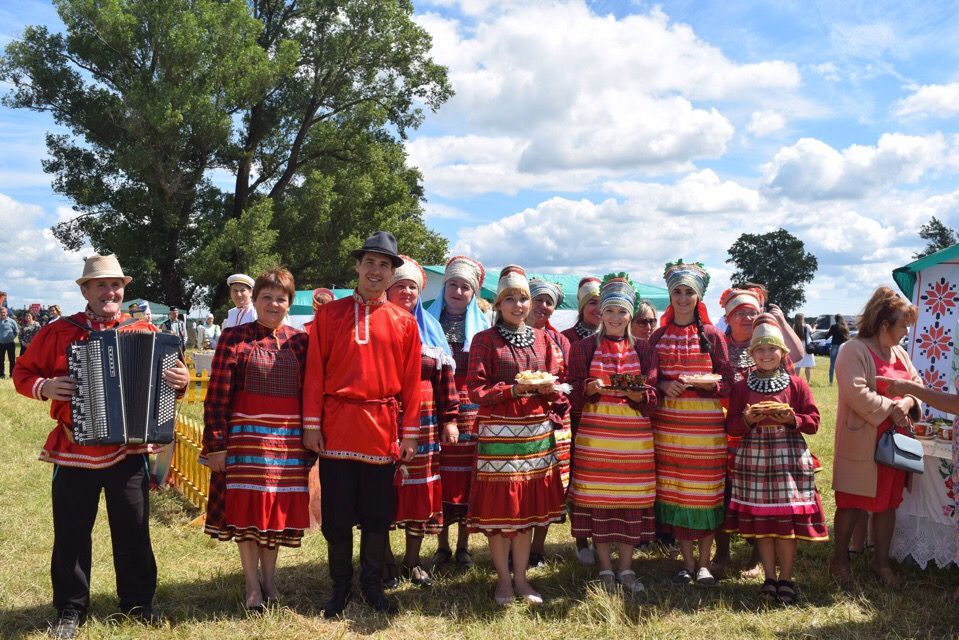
(238,316)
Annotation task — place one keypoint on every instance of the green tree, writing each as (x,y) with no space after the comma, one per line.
(148,91)
(157,94)
(779,261)
(937,236)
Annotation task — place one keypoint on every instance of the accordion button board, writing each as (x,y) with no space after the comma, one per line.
(121,397)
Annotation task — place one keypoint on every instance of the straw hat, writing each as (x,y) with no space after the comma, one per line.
(97,266)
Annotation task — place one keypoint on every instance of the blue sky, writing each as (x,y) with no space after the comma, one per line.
(601,136)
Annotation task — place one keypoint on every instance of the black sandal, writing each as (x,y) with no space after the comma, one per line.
(786,592)
(769,588)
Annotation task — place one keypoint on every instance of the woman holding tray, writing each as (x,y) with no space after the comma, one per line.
(517,484)
(613,484)
(689,425)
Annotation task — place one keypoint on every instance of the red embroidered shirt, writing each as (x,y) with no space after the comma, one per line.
(47,358)
(362,364)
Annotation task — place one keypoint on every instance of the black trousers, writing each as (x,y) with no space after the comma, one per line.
(8,351)
(356,493)
(76,497)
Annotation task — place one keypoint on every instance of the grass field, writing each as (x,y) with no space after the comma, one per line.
(201,586)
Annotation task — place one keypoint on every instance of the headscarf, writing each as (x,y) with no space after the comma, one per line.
(617,291)
(587,290)
(432,337)
(766,331)
(733,299)
(538,287)
(473,273)
(694,276)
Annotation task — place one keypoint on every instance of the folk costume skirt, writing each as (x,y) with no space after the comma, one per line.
(457,462)
(419,493)
(516,484)
(613,484)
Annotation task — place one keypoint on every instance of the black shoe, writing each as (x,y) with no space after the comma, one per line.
(337,602)
(391,575)
(145,615)
(465,559)
(377,601)
(418,576)
(67,624)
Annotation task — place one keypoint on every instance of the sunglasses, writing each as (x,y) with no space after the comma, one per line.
(646,321)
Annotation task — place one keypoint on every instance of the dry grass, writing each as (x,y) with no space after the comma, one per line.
(201,585)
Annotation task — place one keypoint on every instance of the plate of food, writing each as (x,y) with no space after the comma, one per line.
(535,378)
(700,378)
(627,382)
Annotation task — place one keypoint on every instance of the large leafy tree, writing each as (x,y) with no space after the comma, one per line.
(779,261)
(937,236)
(148,91)
(157,94)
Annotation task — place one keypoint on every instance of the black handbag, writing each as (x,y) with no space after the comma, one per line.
(899,451)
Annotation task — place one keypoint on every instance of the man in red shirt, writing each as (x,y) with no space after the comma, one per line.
(362,373)
(81,472)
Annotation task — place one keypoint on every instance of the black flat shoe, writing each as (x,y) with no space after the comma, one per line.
(256,609)
(377,601)
(391,575)
(442,556)
(418,576)
(67,625)
(769,588)
(145,615)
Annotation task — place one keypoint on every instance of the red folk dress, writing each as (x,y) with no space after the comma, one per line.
(613,486)
(419,492)
(889,482)
(690,433)
(563,435)
(47,358)
(457,460)
(772,485)
(516,484)
(252,411)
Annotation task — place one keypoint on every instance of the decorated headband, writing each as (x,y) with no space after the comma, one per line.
(539,287)
(409,270)
(732,299)
(511,277)
(617,291)
(766,331)
(691,274)
(470,270)
(587,290)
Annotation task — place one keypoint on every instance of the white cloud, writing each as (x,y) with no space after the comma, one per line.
(591,94)
(701,192)
(812,170)
(33,265)
(929,101)
(763,123)
(829,71)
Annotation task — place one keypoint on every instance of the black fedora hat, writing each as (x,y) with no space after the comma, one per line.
(380,242)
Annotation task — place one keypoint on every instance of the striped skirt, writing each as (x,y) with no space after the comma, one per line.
(419,493)
(517,481)
(263,496)
(690,442)
(457,462)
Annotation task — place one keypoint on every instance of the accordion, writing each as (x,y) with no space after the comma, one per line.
(121,397)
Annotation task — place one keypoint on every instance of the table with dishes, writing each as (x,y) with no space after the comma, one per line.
(926,519)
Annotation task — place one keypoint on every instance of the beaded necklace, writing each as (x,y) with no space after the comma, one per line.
(523,338)
(358,301)
(768,384)
(582,331)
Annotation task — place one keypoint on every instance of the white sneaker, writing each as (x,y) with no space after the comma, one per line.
(586,556)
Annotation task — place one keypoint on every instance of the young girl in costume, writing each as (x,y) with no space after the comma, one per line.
(613,484)
(689,425)
(773,495)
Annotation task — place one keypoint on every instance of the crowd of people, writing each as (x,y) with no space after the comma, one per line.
(636,429)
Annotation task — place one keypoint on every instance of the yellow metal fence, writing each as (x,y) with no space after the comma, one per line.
(191,478)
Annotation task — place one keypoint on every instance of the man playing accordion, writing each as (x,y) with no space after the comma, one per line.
(81,472)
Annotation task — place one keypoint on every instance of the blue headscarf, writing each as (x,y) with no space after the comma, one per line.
(476,320)
(432,336)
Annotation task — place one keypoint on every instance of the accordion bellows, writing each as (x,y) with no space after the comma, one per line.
(121,397)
